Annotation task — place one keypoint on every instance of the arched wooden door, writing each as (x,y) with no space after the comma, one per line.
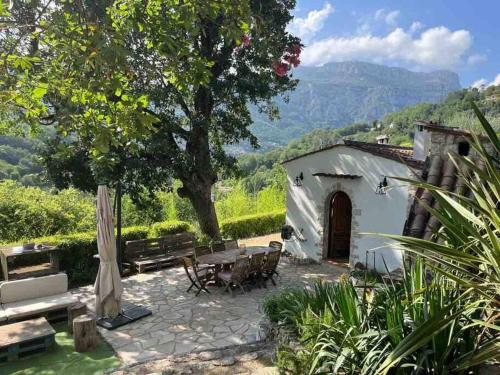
(339,239)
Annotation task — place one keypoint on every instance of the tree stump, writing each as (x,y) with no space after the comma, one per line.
(75,310)
(84,333)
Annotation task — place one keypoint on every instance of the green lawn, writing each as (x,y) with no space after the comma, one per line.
(62,359)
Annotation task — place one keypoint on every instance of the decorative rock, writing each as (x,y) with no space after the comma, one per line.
(248,357)
(226,361)
(208,356)
(84,333)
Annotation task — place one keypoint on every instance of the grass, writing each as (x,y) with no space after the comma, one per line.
(63,359)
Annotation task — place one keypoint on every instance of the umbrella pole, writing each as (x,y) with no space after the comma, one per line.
(119,226)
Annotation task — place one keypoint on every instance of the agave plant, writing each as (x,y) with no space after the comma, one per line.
(465,251)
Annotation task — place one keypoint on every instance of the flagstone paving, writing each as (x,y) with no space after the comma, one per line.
(183,323)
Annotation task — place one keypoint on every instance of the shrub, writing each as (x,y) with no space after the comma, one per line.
(29,212)
(168,227)
(252,225)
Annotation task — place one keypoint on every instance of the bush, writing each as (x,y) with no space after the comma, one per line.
(168,227)
(29,212)
(252,225)
(351,330)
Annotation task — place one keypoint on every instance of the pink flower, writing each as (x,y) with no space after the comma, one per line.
(246,41)
(295,49)
(293,60)
(280,68)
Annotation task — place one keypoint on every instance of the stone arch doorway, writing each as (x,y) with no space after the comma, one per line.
(339,230)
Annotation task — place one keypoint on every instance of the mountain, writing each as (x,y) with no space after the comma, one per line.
(261,168)
(337,94)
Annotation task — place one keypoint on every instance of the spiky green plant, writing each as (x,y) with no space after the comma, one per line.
(466,251)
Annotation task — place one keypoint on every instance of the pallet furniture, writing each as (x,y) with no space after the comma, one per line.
(24,338)
(34,297)
(7,253)
(156,253)
(84,333)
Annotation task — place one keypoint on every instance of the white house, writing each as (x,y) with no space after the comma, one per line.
(339,193)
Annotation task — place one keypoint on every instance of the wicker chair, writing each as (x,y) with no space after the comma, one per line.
(199,277)
(218,246)
(255,268)
(270,266)
(236,276)
(231,244)
(276,245)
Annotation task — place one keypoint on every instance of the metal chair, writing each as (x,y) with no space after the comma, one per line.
(199,277)
(269,268)
(236,276)
(255,268)
(231,244)
(276,245)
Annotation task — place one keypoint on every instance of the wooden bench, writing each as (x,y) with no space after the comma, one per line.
(156,253)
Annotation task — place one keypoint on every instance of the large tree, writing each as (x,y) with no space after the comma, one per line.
(151,88)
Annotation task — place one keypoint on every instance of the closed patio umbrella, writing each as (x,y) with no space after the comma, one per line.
(108,285)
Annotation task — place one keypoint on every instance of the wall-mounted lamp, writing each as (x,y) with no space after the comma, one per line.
(298,180)
(382,187)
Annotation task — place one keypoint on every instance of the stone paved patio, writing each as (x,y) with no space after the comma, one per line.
(182,323)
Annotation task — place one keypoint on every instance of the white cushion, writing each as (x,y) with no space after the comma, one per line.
(3,316)
(35,287)
(35,306)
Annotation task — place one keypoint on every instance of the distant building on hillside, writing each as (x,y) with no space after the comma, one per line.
(339,193)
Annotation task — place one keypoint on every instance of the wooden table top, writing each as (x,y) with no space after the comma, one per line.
(229,256)
(24,331)
(18,250)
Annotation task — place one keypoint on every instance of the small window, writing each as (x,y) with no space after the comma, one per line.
(463,148)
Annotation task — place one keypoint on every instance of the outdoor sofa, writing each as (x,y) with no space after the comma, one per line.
(39,296)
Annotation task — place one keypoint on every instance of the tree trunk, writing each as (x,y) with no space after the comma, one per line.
(200,195)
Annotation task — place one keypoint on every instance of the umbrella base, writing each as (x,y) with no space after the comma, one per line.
(130,313)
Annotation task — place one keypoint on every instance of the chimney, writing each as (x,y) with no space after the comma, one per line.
(383,139)
(421,141)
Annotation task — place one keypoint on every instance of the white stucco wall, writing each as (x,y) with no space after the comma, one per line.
(308,205)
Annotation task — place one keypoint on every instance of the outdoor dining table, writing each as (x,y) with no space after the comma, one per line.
(226,257)
(221,259)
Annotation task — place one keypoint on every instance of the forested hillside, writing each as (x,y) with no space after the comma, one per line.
(18,160)
(336,94)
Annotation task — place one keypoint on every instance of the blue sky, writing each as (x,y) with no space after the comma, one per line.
(423,35)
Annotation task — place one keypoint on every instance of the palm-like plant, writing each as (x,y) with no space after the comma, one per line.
(466,251)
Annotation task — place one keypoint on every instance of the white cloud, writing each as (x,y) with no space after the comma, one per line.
(483,83)
(379,14)
(390,18)
(416,26)
(496,81)
(480,83)
(476,58)
(306,28)
(436,47)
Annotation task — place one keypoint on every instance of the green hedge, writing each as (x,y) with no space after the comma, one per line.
(253,225)
(77,250)
(168,227)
